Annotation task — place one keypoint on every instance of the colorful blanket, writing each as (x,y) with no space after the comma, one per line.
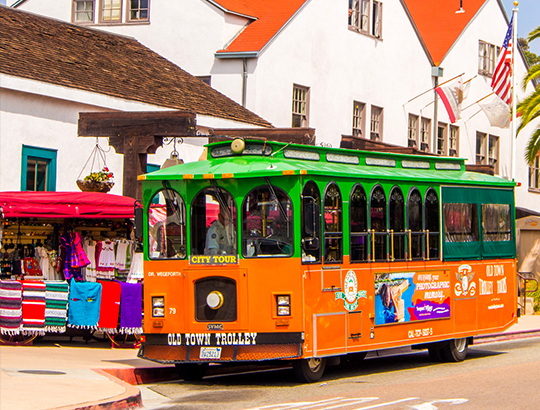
(110,307)
(10,307)
(131,308)
(56,302)
(33,307)
(84,303)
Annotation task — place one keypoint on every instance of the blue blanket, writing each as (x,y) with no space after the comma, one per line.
(84,303)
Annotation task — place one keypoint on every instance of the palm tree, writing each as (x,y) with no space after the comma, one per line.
(529,108)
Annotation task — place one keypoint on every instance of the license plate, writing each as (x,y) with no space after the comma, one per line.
(210,353)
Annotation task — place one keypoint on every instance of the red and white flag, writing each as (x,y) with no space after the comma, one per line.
(501,83)
(452,96)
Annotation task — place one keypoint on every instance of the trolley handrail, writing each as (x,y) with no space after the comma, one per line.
(521,275)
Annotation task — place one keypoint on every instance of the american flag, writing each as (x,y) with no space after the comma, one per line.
(501,83)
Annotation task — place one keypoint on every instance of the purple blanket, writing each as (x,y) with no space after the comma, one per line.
(131,308)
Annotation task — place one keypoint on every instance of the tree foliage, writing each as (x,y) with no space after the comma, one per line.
(529,108)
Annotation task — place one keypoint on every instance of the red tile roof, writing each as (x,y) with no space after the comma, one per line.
(438,24)
(269,19)
(55,52)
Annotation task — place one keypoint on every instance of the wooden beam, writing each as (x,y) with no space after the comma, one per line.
(120,123)
(351,142)
(304,136)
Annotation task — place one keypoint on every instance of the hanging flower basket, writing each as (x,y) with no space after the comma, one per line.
(94,186)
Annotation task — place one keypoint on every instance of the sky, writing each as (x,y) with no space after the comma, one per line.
(528,18)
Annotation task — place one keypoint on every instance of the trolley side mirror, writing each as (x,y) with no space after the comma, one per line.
(139,217)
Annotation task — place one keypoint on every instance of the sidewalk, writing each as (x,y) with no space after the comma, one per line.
(96,377)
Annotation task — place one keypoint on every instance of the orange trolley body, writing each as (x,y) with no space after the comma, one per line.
(331,285)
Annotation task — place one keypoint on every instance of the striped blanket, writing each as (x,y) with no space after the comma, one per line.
(10,307)
(33,307)
(56,302)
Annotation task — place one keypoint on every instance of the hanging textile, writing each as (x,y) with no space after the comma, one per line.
(110,306)
(136,271)
(90,270)
(10,307)
(74,256)
(131,308)
(56,302)
(84,303)
(33,307)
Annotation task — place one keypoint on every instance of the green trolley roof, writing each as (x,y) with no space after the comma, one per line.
(272,159)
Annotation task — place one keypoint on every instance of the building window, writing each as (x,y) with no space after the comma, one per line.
(412,133)
(377,19)
(38,170)
(365,16)
(376,123)
(139,10)
(481,148)
(442,135)
(534,174)
(493,152)
(300,106)
(453,141)
(425,134)
(83,11)
(111,11)
(487,57)
(358,119)
(207,79)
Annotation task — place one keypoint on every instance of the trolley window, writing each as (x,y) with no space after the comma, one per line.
(377,214)
(396,212)
(496,224)
(167,226)
(415,224)
(213,223)
(432,226)
(311,223)
(267,223)
(359,225)
(333,235)
(460,222)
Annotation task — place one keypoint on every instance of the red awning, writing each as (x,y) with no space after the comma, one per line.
(65,205)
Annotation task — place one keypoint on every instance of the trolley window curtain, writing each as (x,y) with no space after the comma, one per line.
(470,233)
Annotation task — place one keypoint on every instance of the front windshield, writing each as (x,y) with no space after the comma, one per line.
(267,223)
(166,226)
(213,227)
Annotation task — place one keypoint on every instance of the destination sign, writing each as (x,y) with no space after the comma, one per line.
(211,339)
(213,259)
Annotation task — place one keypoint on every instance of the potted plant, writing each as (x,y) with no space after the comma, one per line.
(100,181)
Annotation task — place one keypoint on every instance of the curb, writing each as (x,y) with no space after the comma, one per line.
(523,334)
(130,399)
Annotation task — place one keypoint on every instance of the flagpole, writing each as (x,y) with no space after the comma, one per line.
(514,99)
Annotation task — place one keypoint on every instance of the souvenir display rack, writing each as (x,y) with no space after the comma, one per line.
(31,221)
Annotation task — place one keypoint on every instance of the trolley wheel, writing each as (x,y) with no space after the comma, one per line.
(455,350)
(309,370)
(191,371)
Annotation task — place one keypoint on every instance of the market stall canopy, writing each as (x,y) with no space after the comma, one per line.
(65,205)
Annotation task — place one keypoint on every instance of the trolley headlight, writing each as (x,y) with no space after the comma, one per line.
(283,305)
(158,306)
(214,300)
